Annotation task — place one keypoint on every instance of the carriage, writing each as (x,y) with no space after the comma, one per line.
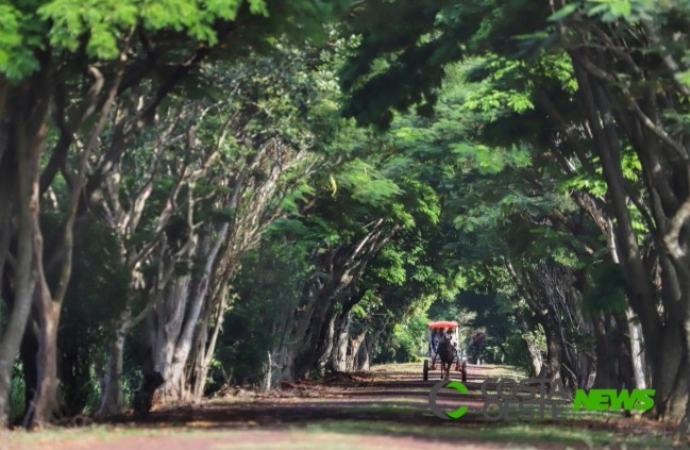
(460,361)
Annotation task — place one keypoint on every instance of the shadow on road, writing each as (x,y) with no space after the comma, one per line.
(388,403)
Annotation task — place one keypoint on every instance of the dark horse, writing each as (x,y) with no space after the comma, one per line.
(446,352)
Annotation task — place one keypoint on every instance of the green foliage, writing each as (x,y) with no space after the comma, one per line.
(490,331)
(243,352)
(20,34)
(607,290)
(79,30)
(514,353)
(95,298)
(608,10)
(375,75)
(266,292)
(63,24)
(470,177)
(435,34)
(17,394)
(366,184)
(410,339)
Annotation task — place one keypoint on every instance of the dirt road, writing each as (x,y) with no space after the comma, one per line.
(387,408)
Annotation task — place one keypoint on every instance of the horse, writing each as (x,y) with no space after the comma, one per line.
(446,352)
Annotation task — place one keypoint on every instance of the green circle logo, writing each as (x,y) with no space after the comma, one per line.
(455,385)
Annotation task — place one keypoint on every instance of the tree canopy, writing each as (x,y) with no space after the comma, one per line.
(187,187)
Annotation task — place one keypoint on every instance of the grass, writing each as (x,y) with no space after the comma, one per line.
(24,439)
(384,410)
(342,434)
(99,434)
(497,433)
(392,416)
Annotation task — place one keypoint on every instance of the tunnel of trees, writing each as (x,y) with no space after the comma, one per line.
(195,194)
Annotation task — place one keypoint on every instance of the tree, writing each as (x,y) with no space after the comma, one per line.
(640,106)
(52,50)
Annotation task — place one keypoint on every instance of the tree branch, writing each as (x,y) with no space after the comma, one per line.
(671,239)
(67,241)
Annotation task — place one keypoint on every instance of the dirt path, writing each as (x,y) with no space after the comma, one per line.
(387,408)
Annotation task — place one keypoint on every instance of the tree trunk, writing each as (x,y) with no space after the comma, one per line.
(607,368)
(45,403)
(634,333)
(345,266)
(306,329)
(28,352)
(178,316)
(554,349)
(305,350)
(532,348)
(112,402)
(535,357)
(354,346)
(326,344)
(204,353)
(339,360)
(636,346)
(669,361)
(198,369)
(669,375)
(363,359)
(166,332)
(26,136)
(625,360)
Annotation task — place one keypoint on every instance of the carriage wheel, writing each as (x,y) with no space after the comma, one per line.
(426,369)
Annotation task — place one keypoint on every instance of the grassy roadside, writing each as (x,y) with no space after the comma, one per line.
(509,435)
(551,436)
(359,412)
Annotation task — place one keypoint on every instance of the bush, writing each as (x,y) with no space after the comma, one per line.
(17,394)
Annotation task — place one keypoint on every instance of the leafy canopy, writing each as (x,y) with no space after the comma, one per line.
(96,28)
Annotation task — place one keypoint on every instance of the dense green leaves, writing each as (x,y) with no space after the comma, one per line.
(97,30)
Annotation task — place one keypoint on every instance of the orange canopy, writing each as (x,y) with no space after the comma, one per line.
(443,324)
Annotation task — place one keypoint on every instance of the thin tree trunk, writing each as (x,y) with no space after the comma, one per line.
(45,403)
(353,350)
(669,362)
(534,351)
(27,148)
(326,344)
(635,335)
(207,352)
(625,361)
(636,346)
(269,372)
(112,402)
(607,367)
(340,346)
(554,352)
(48,305)
(363,359)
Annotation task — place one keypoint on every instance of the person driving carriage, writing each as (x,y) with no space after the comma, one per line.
(451,337)
(440,336)
(444,344)
(436,340)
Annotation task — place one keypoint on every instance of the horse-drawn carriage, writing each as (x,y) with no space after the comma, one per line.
(453,355)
